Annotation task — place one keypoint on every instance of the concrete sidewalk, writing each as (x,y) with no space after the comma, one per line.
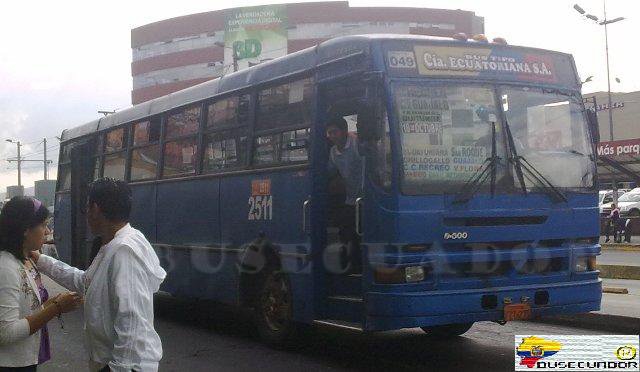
(618,261)
(633,245)
(618,313)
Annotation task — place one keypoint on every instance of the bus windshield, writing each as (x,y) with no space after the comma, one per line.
(446,136)
(550,131)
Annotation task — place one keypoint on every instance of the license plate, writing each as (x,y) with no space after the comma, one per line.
(517,312)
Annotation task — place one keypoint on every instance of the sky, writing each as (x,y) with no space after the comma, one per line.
(62,61)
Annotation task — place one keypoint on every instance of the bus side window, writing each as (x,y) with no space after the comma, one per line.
(224,150)
(294,146)
(286,110)
(115,155)
(225,140)
(285,105)
(146,149)
(181,144)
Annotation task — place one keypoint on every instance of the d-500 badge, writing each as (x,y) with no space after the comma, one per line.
(455,235)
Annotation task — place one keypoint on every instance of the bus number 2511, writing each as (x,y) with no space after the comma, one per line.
(260,207)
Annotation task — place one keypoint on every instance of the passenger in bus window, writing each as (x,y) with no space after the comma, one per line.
(118,285)
(346,162)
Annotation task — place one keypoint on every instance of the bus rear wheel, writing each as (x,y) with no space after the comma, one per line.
(274,309)
(447,330)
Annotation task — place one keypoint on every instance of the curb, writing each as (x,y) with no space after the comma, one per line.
(626,325)
(615,290)
(621,247)
(619,272)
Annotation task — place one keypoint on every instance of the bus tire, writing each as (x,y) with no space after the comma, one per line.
(274,309)
(447,330)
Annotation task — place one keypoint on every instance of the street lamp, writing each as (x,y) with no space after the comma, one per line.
(604,23)
(19,160)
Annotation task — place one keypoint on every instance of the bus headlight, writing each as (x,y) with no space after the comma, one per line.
(585,263)
(414,274)
(398,275)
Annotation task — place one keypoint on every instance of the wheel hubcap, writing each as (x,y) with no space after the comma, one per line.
(276,306)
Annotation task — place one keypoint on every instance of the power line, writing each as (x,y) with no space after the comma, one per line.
(39,152)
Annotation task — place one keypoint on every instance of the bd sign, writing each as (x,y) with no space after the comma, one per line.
(249,48)
(254,35)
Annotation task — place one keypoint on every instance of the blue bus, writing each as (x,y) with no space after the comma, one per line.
(478,201)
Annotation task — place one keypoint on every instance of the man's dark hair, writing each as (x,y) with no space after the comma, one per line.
(338,122)
(113,197)
(17,216)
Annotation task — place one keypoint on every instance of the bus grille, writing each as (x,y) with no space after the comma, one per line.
(495,221)
(505,268)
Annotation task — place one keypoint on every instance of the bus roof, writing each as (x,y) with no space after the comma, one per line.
(327,51)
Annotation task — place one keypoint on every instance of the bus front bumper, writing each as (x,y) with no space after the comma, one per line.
(388,311)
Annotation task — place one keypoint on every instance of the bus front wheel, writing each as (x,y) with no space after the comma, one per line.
(447,330)
(274,310)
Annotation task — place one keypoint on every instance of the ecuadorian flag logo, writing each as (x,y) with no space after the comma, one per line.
(533,348)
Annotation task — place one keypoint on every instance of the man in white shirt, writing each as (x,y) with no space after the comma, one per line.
(118,285)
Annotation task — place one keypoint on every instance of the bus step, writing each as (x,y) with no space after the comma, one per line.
(353,299)
(345,308)
(352,326)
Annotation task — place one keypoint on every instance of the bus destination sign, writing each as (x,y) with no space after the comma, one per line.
(455,61)
(501,63)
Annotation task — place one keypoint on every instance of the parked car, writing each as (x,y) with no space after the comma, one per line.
(605,198)
(629,204)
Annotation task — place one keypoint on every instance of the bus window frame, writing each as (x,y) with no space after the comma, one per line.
(197,135)
(132,147)
(257,132)
(239,130)
(124,150)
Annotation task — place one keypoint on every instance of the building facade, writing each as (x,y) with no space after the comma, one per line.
(14,191)
(180,52)
(625,147)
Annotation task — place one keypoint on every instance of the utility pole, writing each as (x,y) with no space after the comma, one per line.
(235,60)
(19,160)
(46,170)
(606,47)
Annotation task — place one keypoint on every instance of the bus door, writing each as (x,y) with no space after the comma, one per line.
(339,186)
(82,172)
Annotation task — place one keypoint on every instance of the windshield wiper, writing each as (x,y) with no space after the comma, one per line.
(486,170)
(532,174)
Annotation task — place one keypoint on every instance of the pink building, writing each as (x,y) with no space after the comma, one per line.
(180,52)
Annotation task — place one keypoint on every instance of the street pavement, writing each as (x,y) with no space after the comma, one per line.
(200,336)
(619,257)
(621,304)
(635,239)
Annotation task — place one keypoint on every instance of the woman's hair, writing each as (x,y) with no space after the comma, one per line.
(18,215)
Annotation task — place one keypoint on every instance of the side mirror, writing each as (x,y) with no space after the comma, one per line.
(368,120)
